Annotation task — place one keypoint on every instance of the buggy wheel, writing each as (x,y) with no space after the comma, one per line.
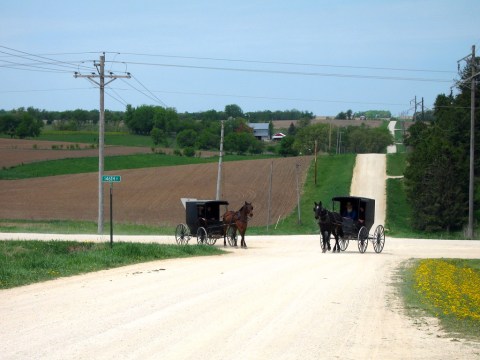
(182,234)
(231,235)
(343,243)
(201,235)
(211,240)
(379,239)
(362,239)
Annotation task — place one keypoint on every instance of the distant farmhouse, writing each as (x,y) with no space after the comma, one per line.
(260,131)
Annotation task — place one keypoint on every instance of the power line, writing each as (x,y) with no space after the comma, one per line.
(43,90)
(271,62)
(115,90)
(36,68)
(155,96)
(275,98)
(28,56)
(284,72)
(268,62)
(121,100)
(145,94)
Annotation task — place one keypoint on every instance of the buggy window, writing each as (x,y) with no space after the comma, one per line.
(212,212)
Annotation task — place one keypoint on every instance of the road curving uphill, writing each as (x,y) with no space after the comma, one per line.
(280,299)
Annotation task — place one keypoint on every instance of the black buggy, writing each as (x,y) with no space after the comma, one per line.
(204,221)
(359,227)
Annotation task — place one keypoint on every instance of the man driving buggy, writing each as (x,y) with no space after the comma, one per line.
(350,212)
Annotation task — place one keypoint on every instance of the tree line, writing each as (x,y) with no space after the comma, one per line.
(304,139)
(367,115)
(192,132)
(437,175)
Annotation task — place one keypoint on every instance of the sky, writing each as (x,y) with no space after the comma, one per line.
(318,56)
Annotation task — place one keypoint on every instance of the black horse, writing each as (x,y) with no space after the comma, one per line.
(330,223)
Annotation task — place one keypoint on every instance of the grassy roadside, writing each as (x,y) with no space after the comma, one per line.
(446,289)
(26,262)
(79,227)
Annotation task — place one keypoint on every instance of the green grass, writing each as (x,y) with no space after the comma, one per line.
(455,300)
(80,227)
(399,213)
(90,164)
(396,164)
(26,262)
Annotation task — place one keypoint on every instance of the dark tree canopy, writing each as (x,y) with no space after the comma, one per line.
(437,175)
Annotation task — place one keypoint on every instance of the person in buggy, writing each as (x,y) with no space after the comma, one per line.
(356,219)
(350,212)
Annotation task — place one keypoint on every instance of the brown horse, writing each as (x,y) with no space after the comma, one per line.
(237,220)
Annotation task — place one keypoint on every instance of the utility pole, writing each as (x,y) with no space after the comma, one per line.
(472,147)
(315,152)
(298,195)
(423,112)
(473,64)
(219,175)
(270,196)
(100,75)
(417,103)
(415,112)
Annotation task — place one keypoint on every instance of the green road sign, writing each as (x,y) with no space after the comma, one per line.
(111,178)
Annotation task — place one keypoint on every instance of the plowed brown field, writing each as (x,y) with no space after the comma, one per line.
(149,196)
(15,152)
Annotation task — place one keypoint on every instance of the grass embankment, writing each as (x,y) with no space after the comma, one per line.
(447,289)
(26,262)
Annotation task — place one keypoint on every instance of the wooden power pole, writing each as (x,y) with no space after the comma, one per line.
(100,75)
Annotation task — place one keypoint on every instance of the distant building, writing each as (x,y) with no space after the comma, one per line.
(278,136)
(260,130)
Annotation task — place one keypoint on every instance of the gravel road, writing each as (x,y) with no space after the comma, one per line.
(280,299)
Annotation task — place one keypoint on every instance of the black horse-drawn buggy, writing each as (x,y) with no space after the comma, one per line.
(353,221)
(210,220)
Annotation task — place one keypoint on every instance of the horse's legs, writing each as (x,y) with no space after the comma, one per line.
(242,233)
(243,243)
(336,248)
(325,241)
